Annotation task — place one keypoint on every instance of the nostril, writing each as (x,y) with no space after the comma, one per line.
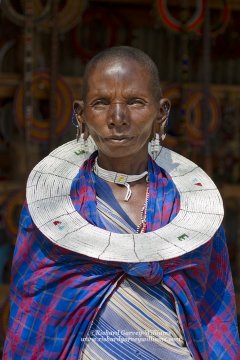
(118,121)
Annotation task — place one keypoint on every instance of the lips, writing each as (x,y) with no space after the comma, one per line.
(119,137)
(119,140)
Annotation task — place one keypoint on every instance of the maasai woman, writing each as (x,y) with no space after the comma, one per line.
(122,258)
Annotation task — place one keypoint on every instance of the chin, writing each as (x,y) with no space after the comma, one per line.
(120,152)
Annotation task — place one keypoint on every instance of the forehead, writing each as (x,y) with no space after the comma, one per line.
(124,72)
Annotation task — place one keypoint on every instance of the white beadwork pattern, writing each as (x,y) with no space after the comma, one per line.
(48,196)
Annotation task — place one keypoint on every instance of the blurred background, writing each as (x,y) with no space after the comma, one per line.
(44,47)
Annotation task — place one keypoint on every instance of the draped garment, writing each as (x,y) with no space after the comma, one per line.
(56,293)
(139,320)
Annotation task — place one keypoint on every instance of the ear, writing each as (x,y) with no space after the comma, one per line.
(164,110)
(159,125)
(78,108)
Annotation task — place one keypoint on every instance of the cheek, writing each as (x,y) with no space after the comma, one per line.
(94,127)
(145,129)
(94,121)
(94,135)
(144,119)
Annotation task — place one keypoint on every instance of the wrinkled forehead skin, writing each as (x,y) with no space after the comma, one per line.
(120,67)
(122,70)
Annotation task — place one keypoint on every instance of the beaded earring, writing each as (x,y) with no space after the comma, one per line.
(84,141)
(155,142)
(78,125)
(163,136)
(155,146)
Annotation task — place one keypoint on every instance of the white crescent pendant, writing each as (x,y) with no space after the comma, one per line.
(48,197)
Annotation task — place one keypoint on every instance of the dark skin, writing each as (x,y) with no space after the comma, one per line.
(121,114)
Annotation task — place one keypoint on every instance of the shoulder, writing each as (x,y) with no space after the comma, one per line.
(25,220)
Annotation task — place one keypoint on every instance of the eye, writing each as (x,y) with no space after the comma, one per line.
(100,103)
(136,102)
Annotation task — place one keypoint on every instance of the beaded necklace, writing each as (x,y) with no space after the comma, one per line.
(117,178)
(141,228)
(124,179)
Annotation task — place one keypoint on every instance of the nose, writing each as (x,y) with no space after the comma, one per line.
(118,114)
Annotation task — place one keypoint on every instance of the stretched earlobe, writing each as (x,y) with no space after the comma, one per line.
(77,118)
(161,123)
(165,106)
(85,132)
(78,106)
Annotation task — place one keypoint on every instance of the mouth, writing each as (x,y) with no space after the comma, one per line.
(119,139)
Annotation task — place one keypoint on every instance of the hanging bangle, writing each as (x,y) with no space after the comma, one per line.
(176,25)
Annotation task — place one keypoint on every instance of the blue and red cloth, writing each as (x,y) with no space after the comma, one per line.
(56,293)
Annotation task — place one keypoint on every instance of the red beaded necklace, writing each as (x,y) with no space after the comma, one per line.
(141,228)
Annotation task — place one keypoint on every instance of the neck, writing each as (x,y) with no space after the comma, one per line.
(126,165)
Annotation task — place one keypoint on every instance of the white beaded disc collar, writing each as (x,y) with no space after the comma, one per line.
(48,188)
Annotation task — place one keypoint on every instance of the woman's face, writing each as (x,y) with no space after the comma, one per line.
(120,108)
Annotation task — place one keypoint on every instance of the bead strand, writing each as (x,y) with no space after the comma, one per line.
(141,228)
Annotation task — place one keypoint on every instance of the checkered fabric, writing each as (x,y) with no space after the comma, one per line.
(56,293)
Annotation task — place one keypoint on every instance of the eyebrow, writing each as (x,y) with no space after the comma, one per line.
(126,92)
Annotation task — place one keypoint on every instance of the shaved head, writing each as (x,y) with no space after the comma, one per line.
(124,53)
